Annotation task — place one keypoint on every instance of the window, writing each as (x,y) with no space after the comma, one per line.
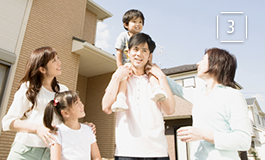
(252,144)
(186,82)
(4,70)
(257,117)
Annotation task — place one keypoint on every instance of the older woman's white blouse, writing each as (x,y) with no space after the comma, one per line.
(223,111)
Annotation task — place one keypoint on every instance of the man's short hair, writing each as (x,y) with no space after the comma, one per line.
(140,38)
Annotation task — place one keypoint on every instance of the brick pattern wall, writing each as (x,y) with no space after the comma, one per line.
(105,124)
(82,89)
(52,23)
(90,27)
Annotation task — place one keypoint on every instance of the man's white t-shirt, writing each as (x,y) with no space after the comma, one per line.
(140,129)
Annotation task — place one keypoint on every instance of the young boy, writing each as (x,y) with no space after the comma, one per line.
(133,21)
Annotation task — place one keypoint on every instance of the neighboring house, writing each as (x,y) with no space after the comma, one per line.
(257,117)
(69,27)
(185,76)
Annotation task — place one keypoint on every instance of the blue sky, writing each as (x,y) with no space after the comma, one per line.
(184,29)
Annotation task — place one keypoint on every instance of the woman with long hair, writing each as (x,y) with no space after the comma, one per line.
(25,116)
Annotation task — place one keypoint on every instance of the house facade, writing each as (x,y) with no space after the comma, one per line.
(257,117)
(69,27)
(185,76)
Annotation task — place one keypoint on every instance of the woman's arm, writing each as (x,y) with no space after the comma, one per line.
(189,134)
(113,87)
(43,132)
(19,106)
(239,138)
(237,113)
(95,154)
(56,151)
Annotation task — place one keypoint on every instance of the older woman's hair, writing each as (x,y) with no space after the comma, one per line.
(222,65)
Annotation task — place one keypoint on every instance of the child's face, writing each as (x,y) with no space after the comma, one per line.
(135,25)
(77,109)
(139,55)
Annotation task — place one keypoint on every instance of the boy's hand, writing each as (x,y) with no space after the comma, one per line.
(155,71)
(122,72)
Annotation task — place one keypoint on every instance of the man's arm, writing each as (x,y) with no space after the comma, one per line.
(169,104)
(113,87)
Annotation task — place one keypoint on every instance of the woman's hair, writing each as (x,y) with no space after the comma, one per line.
(38,58)
(62,100)
(131,14)
(222,65)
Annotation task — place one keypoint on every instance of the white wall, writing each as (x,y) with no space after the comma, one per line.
(11,16)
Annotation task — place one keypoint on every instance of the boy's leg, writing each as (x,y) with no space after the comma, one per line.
(120,103)
(158,94)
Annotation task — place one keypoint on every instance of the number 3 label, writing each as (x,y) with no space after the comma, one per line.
(232,28)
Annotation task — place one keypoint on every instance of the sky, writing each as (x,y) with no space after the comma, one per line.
(183,30)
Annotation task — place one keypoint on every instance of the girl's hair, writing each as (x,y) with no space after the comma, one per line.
(130,14)
(222,65)
(62,100)
(38,58)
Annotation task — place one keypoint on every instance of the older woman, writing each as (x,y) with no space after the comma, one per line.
(221,125)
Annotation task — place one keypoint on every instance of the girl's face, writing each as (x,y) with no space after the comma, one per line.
(77,109)
(53,67)
(203,67)
(135,25)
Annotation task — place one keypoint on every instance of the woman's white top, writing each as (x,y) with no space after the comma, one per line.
(20,105)
(223,111)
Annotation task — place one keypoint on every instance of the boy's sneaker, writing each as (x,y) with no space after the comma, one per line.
(158,94)
(120,104)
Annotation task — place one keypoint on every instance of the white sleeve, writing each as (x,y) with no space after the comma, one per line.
(63,88)
(120,42)
(18,107)
(58,137)
(92,136)
(240,136)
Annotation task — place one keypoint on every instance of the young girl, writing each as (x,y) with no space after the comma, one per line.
(74,140)
(25,115)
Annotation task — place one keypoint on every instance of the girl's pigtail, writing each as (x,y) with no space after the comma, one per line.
(48,115)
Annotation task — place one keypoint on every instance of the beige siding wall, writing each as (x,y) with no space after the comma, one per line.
(105,124)
(90,26)
(82,89)
(171,146)
(51,23)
